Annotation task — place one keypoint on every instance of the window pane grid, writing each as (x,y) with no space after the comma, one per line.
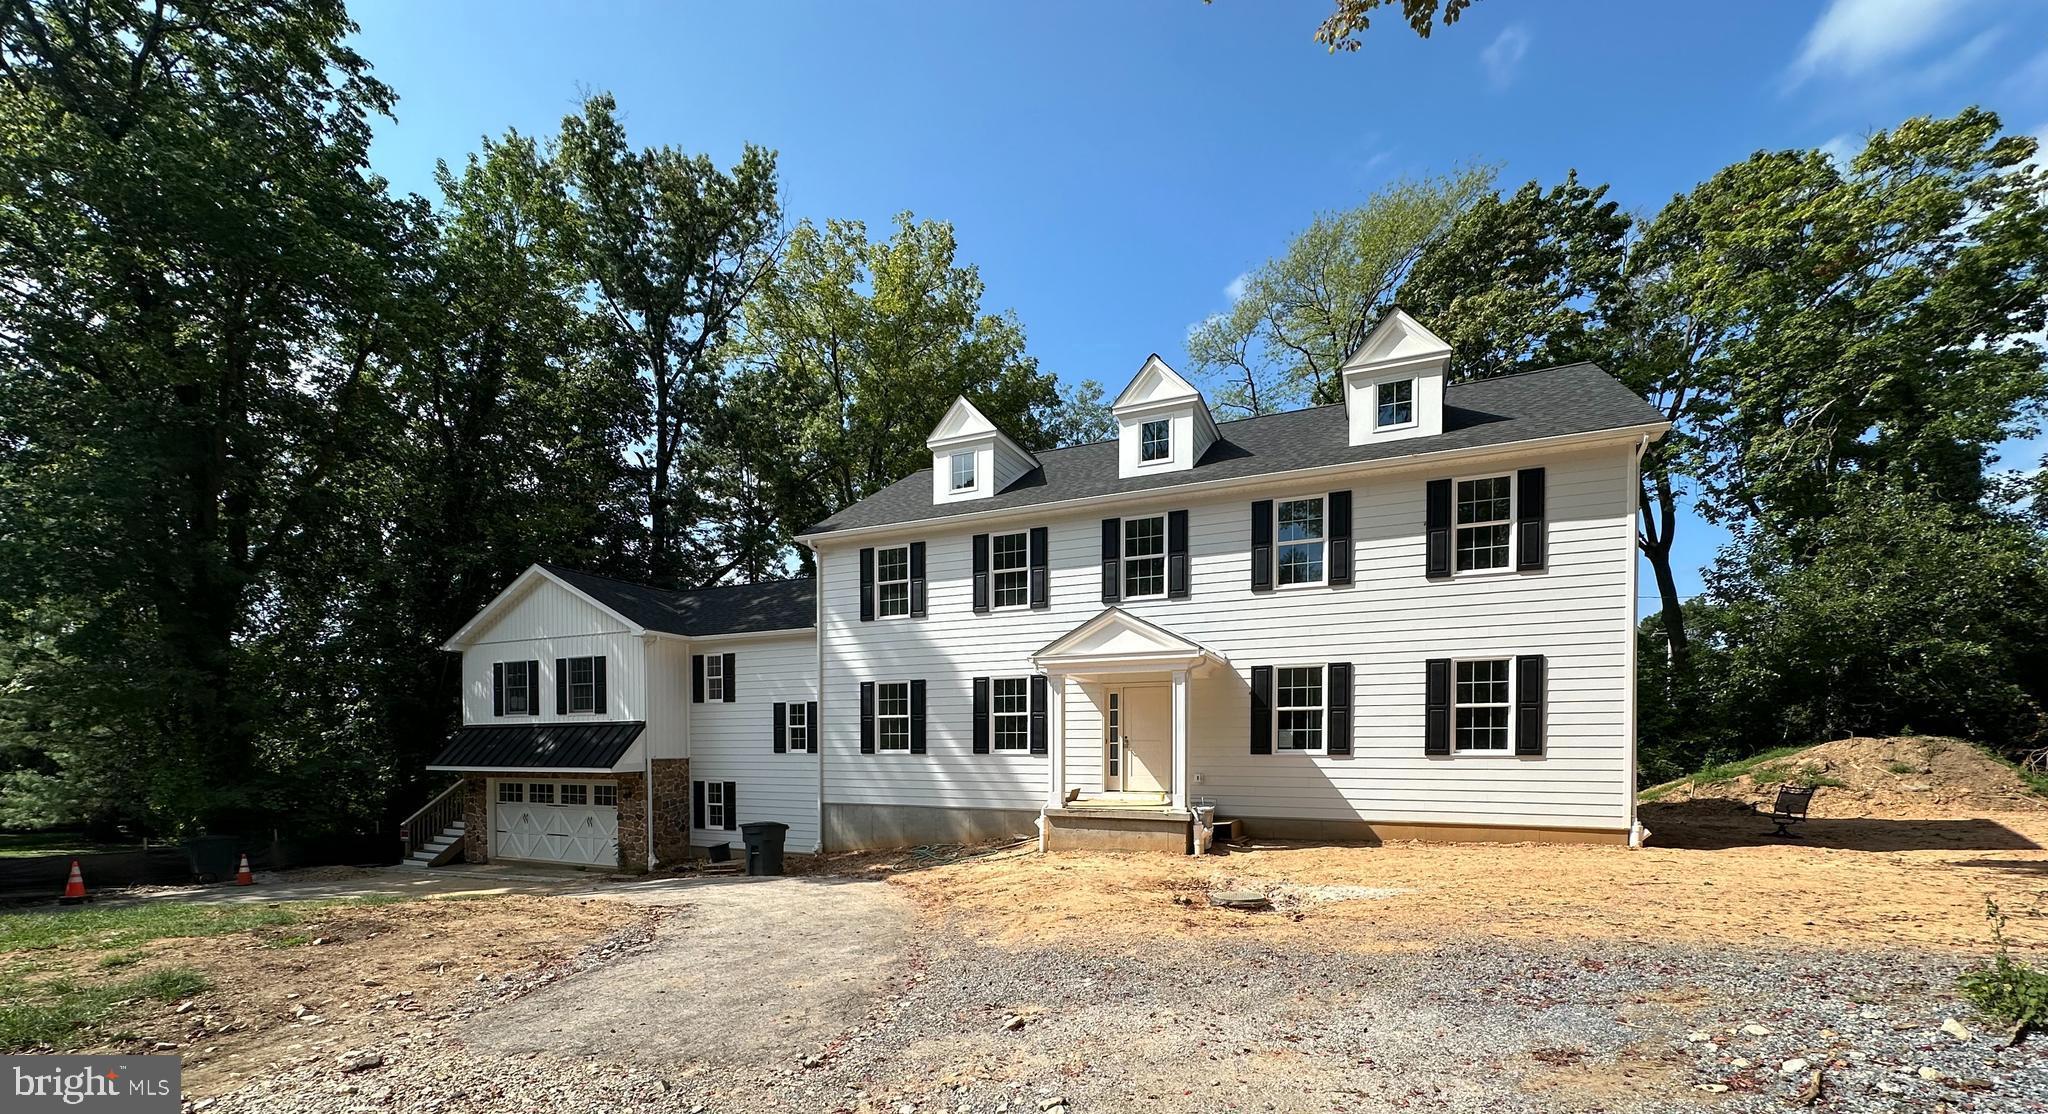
(892,580)
(1299,525)
(582,685)
(1482,705)
(1010,560)
(963,471)
(714,677)
(574,794)
(511,792)
(518,689)
(892,716)
(1145,556)
(1155,440)
(604,794)
(1298,700)
(1397,402)
(1010,707)
(1484,510)
(799,728)
(540,792)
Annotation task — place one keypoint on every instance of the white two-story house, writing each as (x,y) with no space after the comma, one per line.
(1407,615)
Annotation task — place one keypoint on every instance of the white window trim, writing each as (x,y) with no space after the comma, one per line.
(714,678)
(995,717)
(1322,684)
(994,596)
(554,798)
(879,550)
(1157,460)
(1505,752)
(569,685)
(557,785)
(973,471)
(1322,541)
(529,686)
(790,711)
(1414,402)
(595,786)
(1123,562)
(713,819)
(1514,505)
(880,718)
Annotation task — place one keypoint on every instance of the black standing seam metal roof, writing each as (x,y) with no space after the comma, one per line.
(527,746)
(733,609)
(1556,402)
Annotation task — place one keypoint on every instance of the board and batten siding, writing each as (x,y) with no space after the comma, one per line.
(736,741)
(551,622)
(1578,613)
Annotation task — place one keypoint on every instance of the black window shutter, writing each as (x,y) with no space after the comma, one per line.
(917,580)
(732,806)
(867,717)
(1041,572)
(1038,713)
(533,688)
(867,585)
(917,717)
(811,727)
(1530,551)
(1262,546)
(781,728)
(1337,693)
(561,686)
(597,695)
(697,805)
(1530,673)
(1262,709)
(696,678)
(981,725)
(1437,524)
(980,574)
(1112,564)
(1436,706)
(731,681)
(498,688)
(1177,555)
(1338,526)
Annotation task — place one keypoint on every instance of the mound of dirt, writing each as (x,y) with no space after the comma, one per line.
(1904,777)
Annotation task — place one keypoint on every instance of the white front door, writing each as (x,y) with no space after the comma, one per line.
(1141,738)
(555,821)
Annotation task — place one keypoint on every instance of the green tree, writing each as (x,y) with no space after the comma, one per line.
(1351,18)
(1084,415)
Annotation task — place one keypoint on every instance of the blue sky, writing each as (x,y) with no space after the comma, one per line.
(1112,167)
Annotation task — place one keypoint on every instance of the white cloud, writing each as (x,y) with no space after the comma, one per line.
(1503,56)
(1854,36)
(1235,291)
(1842,149)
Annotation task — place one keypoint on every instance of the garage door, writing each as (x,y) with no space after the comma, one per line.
(556,821)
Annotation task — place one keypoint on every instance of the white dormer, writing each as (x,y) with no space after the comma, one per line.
(1394,383)
(971,459)
(1162,423)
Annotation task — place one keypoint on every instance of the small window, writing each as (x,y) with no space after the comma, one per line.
(602,794)
(1396,404)
(511,792)
(1485,512)
(892,716)
(1144,557)
(541,792)
(1483,702)
(714,678)
(575,793)
(519,686)
(892,581)
(1010,569)
(797,724)
(582,684)
(714,804)
(1116,737)
(963,471)
(1298,708)
(1155,440)
(1010,708)
(1298,523)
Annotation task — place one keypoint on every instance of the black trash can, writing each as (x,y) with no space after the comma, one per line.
(213,857)
(764,846)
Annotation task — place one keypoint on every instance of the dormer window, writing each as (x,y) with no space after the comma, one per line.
(963,471)
(1155,441)
(1396,404)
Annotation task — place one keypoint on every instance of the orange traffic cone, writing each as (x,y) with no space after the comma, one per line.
(74,887)
(242,875)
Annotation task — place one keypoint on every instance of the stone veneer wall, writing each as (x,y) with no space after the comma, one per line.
(476,818)
(671,813)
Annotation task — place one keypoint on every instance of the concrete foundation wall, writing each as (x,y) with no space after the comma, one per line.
(857,827)
(1082,830)
(1369,832)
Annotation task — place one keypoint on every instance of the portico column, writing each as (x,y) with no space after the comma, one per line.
(1180,738)
(1056,740)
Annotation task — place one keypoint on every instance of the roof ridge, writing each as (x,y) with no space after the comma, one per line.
(552,567)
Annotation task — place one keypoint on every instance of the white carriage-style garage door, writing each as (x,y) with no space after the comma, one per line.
(555,821)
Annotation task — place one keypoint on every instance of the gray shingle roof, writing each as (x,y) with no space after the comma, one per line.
(535,746)
(1576,398)
(734,609)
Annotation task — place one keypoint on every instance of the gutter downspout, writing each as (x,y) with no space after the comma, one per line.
(1637,834)
(647,775)
(818,643)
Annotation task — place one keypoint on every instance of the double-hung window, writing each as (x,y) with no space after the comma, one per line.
(1010,708)
(963,471)
(520,684)
(1298,707)
(1145,556)
(797,726)
(1298,524)
(1395,404)
(714,805)
(582,685)
(1485,522)
(892,716)
(1483,706)
(1010,569)
(714,677)
(892,581)
(1155,440)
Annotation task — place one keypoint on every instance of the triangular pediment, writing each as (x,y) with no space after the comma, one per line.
(1155,383)
(962,420)
(1116,635)
(1398,338)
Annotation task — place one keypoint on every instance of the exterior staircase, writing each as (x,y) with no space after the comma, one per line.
(439,849)
(433,835)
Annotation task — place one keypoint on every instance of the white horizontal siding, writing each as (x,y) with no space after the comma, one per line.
(736,742)
(550,622)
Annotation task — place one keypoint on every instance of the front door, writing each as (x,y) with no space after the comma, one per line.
(1143,739)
